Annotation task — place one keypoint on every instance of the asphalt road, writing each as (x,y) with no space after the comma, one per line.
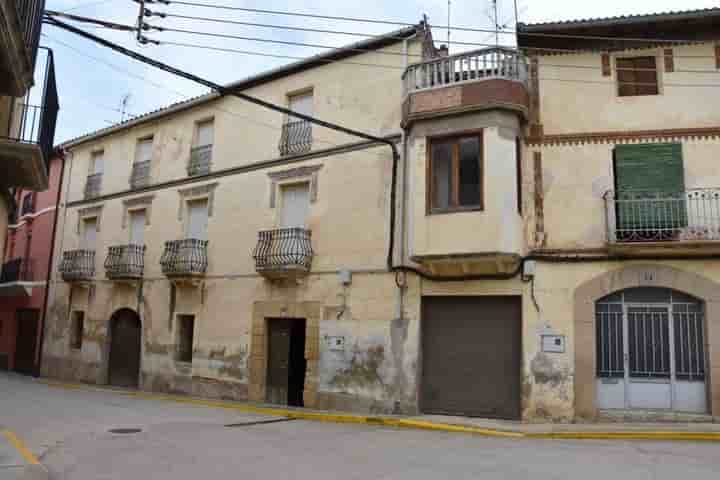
(69,431)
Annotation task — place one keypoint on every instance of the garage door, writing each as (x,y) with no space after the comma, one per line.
(471,356)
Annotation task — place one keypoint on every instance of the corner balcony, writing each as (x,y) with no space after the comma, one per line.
(670,224)
(185,259)
(78,266)
(284,253)
(20,22)
(16,278)
(125,262)
(483,79)
(26,148)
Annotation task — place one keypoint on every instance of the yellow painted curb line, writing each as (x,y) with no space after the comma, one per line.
(403,423)
(20,447)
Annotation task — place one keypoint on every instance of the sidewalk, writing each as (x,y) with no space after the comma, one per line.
(695,431)
(16,461)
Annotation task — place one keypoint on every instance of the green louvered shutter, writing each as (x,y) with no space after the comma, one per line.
(650,185)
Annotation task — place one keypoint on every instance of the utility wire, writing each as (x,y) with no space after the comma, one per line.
(396,23)
(102,23)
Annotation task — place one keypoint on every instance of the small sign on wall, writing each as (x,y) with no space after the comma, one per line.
(335,343)
(553,343)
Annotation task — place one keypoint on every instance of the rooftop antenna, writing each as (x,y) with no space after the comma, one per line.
(448,24)
(497,26)
(123,105)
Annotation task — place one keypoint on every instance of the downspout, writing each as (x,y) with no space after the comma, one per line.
(41,343)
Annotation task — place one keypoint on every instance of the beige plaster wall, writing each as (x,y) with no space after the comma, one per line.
(574,100)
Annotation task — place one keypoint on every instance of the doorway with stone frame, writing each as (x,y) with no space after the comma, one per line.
(263,314)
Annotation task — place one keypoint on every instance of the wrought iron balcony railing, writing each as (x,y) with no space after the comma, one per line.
(125,262)
(28,204)
(140,175)
(483,64)
(29,14)
(93,185)
(296,137)
(283,252)
(187,257)
(78,265)
(642,216)
(17,270)
(36,123)
(200,160)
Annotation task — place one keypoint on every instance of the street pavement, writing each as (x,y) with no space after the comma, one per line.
(69,431)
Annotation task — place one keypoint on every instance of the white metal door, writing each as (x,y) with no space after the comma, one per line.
(197,219)
(89,233)
(295,205)
(137,227)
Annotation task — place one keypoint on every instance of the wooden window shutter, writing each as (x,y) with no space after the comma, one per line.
(669,60)
(626,77)
(650,171)
(606,70)
(646,76)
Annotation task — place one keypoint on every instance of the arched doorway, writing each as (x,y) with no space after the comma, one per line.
(650,350)
(125,341)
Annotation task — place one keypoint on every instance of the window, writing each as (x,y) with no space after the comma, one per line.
(77,327)
(201,153)
(185,332)
(137,227)
(301,103)
(140,176)
(295,205)
(89,233)
(637,76)
(143,152)
(296,133)
(197,220)
(97,162)
(455,174)
(28,204)
(94,180)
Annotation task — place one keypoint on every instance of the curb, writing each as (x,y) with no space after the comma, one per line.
(656,435)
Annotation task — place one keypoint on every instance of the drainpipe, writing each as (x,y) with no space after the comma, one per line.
(48,278)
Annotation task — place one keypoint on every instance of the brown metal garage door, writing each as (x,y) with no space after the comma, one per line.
(471,356)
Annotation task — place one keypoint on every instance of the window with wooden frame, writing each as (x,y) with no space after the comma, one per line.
(455,173)
(637,76)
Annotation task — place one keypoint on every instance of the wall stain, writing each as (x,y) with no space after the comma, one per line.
(546,372)
(364,369)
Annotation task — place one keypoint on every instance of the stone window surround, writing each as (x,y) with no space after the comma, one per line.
(307,173)
(202,192)
(640,275)
(90,212)
(264,311)
(136,204)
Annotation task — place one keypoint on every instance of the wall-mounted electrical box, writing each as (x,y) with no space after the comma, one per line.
(553,343)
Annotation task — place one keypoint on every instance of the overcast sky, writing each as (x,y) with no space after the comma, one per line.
(91,91)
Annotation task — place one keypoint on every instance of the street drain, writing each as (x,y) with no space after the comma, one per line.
(259,422)
(125,431)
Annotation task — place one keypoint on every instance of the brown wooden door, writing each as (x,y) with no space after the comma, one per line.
(124,365)
(471,356)
(278,373)
(25,345)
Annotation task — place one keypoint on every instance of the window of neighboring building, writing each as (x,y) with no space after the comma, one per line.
(297,134)
(97,162)
(89,233)
(77,327)
(201,153)
(637,76)
(455,174)
(197,221)
(140,175)
(185,333)
(143,152)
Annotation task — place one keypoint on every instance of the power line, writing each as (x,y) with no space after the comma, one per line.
(272,55)
(397,23)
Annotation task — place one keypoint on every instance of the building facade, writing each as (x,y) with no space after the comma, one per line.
(482,271)
(26,264)
(28,110)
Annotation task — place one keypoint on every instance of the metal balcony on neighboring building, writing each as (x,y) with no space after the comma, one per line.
(93,185)
(140,175)
(686,222)
(78,265)
(481,79)
(26,149)
(283,253)
(20,22)
(296,138)
(125,262)
(16,277)
(200,160)
(185,258)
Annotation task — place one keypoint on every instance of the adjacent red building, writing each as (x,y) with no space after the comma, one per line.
(24,274)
